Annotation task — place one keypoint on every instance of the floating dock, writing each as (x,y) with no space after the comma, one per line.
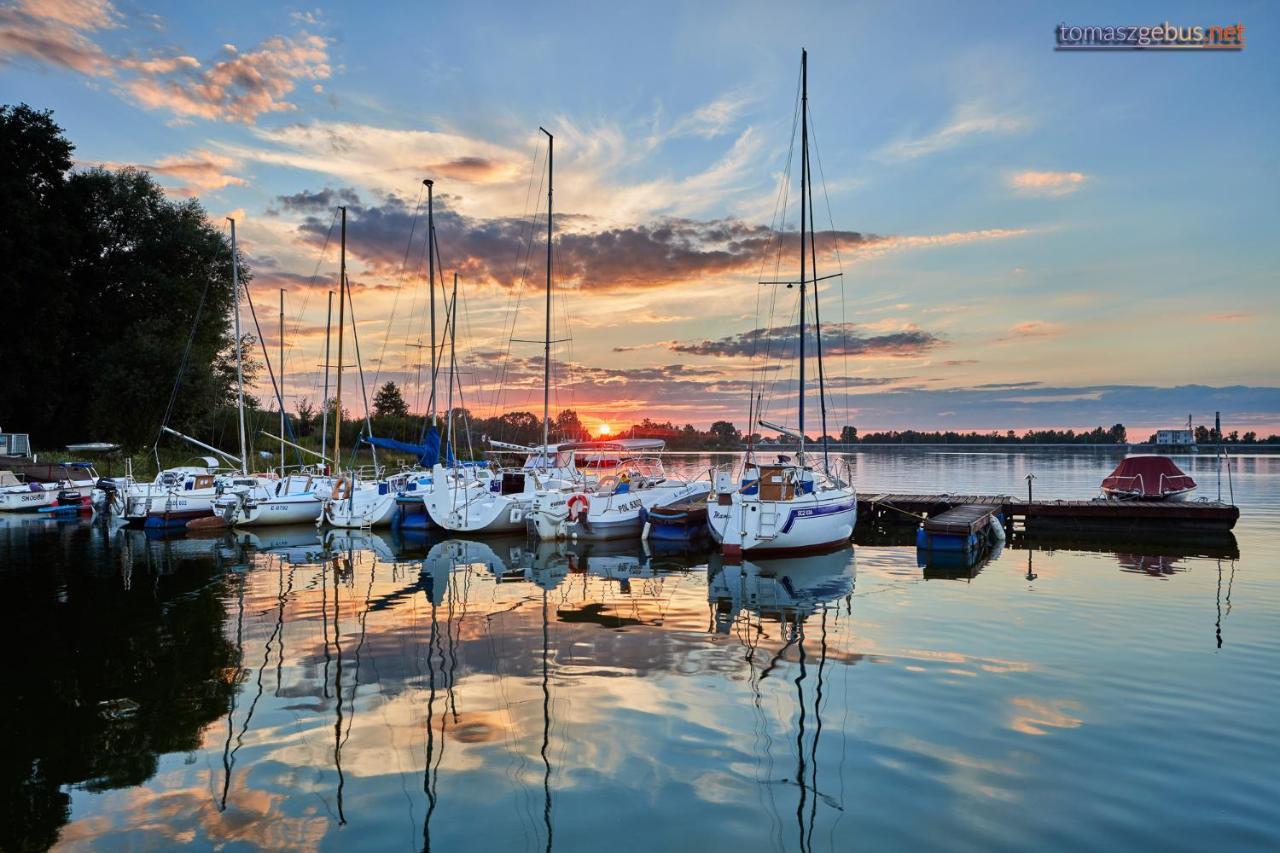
(1042,516)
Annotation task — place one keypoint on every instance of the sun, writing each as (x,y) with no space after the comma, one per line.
(605,429)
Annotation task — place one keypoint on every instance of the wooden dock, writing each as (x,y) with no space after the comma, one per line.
(1043,516)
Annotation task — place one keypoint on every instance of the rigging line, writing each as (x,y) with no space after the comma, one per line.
(310,285)
(364,391)
(817,325)
(519,295)
(835,242)
(182,365)
(395,300)
(776,224)
(266,358)
(522,265)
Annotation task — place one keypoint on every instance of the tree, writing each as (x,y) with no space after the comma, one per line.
(1118,435)
(725,434)
(568,427)
(131,294)
(849,435)
(308,417)
(389,402)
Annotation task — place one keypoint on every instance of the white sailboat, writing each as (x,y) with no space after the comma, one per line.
(617,506)
(463,501)
(788,506)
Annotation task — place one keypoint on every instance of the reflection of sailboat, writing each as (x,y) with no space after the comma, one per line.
(297,545)
(347,540)
(786,589)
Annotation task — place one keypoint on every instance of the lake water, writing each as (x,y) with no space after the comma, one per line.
(375,692)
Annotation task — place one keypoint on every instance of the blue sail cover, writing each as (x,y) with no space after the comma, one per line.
(428,452)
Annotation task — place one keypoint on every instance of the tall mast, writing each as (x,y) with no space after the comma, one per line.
(282,382)
(342,313)
(453,364)
(804,167)
(235,287)
(324,400)
(431,286)
(546,352)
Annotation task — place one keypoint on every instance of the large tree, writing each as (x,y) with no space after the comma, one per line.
(120,291)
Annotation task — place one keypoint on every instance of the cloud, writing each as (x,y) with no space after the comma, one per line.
(54,33)
(1046,183)
(1032,329)
(837,339)
(320,200)
(238,88)
(969,122)
(648,256)
(1232,317)
(196,171)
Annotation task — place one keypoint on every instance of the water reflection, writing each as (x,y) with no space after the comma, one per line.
(293,689)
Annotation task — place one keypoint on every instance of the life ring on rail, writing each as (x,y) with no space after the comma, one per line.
(341,489)
(578,505)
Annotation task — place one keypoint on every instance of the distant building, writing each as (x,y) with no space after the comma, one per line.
(15,444)
(1175,438)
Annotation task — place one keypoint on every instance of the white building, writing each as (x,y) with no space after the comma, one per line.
(1175,437)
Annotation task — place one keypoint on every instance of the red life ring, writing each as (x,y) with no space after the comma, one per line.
(578,505)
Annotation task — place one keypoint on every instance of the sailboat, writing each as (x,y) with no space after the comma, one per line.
(461,502)
(616,508)
(787,506)
(353,502)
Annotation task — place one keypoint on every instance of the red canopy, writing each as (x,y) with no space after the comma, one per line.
(1148,477)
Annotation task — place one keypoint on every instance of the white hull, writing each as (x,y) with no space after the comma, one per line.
(363,508)
(290,509)
(616,516)
(27,499)
(139,506)
(748,525)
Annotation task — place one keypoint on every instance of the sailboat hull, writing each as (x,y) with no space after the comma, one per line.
(807,524)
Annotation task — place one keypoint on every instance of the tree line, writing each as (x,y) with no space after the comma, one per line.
(111,291)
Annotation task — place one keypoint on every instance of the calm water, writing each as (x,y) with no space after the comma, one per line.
(376,692)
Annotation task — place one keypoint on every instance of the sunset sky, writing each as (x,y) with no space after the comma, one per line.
(1028,238)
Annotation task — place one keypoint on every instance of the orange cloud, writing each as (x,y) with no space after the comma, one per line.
(1047,183)
(196,171)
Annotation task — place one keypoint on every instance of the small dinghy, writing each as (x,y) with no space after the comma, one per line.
(1148,478)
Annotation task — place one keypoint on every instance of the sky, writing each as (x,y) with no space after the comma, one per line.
(1016,237)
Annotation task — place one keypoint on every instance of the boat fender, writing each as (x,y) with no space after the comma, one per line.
(341,489)
(577,504)
(997,529)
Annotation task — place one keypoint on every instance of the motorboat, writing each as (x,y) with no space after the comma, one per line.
(1148,477)
(78,478)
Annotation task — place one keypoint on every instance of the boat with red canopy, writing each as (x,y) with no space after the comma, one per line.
(1148,478)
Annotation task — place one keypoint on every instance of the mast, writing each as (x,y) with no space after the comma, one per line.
(342,312)
(431,286)
(282,382)
(235,287)
(453,365)
(324,400)
(546,352)
(804,168)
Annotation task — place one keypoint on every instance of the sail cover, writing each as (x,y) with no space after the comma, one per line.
(1148,477)
(428,452)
